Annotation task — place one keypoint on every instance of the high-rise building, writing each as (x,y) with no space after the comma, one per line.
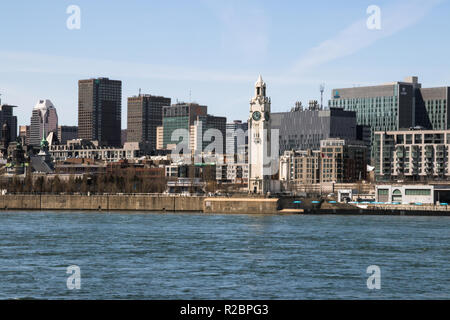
(260,141)
(24,134)
(394,106)
(44,120)
(66,133)
(432,108)
(342,160)
(237,140)
(100,110)
(303,129)
(180,116)
(144,116)
(123,136)
(6,116)
(201,136)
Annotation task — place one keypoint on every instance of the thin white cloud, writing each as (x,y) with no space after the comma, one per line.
(28,62)
(53,64)
(394,18)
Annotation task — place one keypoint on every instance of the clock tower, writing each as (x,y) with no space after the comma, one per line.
(259,141)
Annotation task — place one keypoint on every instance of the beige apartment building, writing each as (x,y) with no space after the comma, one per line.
(300,167)
(337,161)
(414,155)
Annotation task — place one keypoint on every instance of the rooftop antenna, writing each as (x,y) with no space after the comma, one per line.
(190,96)
(139,92)
(322,89)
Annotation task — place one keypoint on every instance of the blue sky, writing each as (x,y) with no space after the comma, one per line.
(216,50)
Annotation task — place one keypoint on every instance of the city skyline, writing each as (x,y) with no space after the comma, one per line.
(214,59)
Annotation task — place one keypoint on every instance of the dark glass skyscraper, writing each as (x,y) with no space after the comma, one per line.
(6,116)
(100,110)
(144,116)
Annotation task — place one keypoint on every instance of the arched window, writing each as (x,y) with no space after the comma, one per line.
(396,196)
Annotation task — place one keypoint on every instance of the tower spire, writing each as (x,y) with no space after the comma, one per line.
(260,87)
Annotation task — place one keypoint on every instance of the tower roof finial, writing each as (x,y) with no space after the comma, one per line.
(259,82)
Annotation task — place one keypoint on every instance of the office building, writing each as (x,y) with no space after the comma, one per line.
(395,106)
(100,111)
(7,116)
(202,139)
(236,141)
(144,116)
(412,155)
(66,133)
(432,109)
(302,129)
(123,136)
(180,116)
(24,134)
(44,120)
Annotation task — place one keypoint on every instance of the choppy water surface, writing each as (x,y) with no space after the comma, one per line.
(198,256)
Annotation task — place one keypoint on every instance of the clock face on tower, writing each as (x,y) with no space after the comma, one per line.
(256,115)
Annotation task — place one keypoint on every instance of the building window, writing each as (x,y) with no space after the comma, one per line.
(417,192)
(396,196)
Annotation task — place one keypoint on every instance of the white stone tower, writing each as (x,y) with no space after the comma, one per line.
(259,141)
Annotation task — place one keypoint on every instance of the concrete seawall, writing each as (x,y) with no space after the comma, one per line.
(164,203)
(102,202)
(240,205)
(139,203)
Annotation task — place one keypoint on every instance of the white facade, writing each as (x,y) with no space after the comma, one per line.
(43,121)
(345,193)
(259,125)
(405,194)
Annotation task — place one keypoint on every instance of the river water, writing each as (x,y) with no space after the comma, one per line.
(198,256)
